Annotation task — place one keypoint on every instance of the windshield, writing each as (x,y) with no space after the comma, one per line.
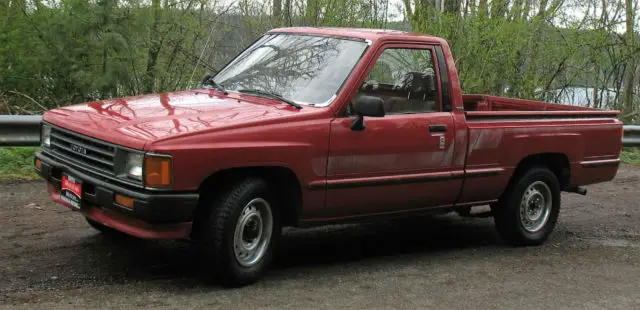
(306,69)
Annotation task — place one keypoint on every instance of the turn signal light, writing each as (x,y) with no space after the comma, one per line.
(38,164)
(157,171)
(124,201)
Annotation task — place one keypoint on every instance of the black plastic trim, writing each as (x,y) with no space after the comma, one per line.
(600,163)
(149,206)
(438,128)
(115,172)
(405,180)
(444,80)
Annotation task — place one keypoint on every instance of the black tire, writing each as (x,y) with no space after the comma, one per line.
(216,232)
(508,214)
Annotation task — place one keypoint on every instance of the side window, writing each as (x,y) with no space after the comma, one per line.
(405,79)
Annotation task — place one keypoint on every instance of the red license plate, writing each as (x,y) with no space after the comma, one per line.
(71,191)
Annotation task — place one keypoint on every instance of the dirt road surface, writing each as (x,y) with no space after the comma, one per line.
(51,258)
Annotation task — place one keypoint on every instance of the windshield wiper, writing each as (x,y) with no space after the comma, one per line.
(270,95)
(208,80)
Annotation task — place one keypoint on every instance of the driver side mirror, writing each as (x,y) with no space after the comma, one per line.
(366,106)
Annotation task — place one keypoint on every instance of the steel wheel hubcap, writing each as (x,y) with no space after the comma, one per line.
(535,206)
(252,232)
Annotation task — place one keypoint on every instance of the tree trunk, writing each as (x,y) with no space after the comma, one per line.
(482,8)
(527,9)
(154,48)
(276,17)
(470,8)
(516,10)
(498,8)
(408,11)
(542,10)
(627,96)
(312,12)
(287,12)
(451,6)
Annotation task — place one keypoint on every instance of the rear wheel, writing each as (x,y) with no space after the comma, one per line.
(238,237)
(528,211)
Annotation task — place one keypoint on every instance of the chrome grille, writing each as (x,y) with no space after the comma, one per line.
(83,150)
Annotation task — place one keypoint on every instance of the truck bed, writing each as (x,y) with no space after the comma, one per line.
(504,131)
(478,106)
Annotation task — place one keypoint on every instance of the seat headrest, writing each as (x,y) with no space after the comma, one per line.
(419,82)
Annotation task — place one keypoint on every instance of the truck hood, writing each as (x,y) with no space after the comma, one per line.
(136,121)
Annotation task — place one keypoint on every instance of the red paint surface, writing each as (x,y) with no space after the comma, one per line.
(206,131)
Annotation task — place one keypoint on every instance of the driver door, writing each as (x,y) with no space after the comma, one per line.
(402,161)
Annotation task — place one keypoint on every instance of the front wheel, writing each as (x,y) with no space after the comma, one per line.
(528,211)
(238,238)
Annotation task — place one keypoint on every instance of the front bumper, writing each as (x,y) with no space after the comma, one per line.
(154,214)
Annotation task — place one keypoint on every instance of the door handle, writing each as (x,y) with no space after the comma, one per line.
(437,128)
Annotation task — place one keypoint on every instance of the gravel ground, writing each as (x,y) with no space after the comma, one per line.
(51,258)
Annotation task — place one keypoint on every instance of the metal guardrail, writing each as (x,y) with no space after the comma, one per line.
(631,135)
(24,130)
(20,130)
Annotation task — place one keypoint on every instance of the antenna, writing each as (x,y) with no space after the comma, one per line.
(206,45)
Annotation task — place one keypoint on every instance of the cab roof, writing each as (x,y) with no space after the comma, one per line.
(361,33)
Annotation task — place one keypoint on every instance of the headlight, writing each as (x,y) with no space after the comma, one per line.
(154,170)
(45,136)
(133,166)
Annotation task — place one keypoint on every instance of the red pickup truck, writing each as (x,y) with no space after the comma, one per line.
(309,126)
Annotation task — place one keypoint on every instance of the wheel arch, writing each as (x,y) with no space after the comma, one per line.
(282,179)
(558,163)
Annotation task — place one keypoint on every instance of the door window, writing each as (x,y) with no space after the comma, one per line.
(406,81)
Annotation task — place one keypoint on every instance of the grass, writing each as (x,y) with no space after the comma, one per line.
(16,163)
(631,156)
